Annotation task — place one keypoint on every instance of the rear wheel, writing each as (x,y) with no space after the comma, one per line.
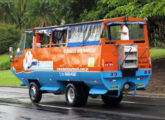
(76,94)
(109,100)
(35,93)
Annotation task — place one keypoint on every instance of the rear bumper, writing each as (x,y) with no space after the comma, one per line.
(114,81)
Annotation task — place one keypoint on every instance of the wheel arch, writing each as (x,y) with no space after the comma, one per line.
(33,80)
(65,83)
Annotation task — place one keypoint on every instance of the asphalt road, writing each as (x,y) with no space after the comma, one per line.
(16,105)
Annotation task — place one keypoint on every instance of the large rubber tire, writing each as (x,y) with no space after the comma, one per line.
(109,100)
(76,95)
(34,92)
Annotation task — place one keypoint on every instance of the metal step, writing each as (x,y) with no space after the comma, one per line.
(128,56)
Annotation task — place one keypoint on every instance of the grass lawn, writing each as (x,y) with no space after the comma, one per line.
(157,53)
(4,62)
(7,78)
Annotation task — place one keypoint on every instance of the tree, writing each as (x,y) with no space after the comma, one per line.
(9,36)
(13,12)
(5,11)
(40,12)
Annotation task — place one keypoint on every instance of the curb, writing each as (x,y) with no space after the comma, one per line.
(151,95)
(24,87)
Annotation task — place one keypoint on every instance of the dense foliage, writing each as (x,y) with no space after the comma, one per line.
(23,14)
(9,36)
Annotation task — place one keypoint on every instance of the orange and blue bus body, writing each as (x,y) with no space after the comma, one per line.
(90,53)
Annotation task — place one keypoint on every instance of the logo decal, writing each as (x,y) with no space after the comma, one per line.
(28,60)
(29,63)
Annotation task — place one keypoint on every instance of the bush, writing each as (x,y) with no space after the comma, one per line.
(9,36)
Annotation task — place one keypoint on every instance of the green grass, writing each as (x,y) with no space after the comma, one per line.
(4,62)
(157,53)
(7,78)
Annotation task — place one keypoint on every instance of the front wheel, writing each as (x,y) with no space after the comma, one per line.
(76,95)
(34,92)
(109,100)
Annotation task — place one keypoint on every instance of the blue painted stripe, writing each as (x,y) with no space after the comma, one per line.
(127,22)
(44,29)
(56,28)
(86,24)
(75,44)
(88,43)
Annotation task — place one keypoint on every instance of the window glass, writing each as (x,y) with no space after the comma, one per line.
(59,38)
(21,46)
(105,33)
(75,34)
(135,31)
(29,40)
(44,39)
(114,32)
(92,32)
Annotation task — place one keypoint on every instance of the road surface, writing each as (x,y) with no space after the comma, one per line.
(16,105)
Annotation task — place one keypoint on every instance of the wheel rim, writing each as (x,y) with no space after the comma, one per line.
(71,95)
(33,92)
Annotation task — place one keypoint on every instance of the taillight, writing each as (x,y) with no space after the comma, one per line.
(115,73)
(111,74)
(149,72)
(145,72)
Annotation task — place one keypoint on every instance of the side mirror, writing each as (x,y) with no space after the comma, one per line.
(11,54)
(18,50)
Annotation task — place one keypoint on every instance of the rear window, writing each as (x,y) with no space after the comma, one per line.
(136,31)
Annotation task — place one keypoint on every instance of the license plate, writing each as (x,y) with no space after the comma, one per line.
(113,87)
(139,85)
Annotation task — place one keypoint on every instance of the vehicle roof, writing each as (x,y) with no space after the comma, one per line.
(96,21)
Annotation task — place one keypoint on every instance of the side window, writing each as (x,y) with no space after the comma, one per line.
(59,38)
(43,38)
(75,34)
(105,33)
(114,32)
(92,32)
(84,35)
(29,40)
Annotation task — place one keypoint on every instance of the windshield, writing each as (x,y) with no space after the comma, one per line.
(126,32)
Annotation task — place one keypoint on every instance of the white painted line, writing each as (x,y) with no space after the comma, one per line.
(52,106)
(128,102)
